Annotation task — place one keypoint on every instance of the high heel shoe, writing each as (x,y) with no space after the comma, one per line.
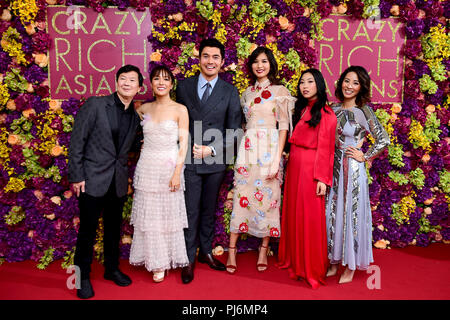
(347,276)
(261,267)
(158,276)
(231,268)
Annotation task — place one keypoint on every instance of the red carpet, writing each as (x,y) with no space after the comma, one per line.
(410,273)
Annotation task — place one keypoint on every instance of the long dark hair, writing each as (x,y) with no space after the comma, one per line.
(363,96)
(302,102)
(272,76)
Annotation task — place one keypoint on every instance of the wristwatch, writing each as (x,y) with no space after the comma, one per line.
(213,151)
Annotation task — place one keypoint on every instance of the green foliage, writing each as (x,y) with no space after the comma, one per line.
(68,259)
(261,11)
(15,215)
(431,130)
(398,177)
(427,84)
(243,47)
(417,178)
(46,259)
(205,8)
(444,181)
(15,81)
(395,155)
(293,60)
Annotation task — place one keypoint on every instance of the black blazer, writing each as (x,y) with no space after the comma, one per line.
(221,112)
(92,154)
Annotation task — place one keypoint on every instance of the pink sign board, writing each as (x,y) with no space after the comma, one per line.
(373,44)
(88,48)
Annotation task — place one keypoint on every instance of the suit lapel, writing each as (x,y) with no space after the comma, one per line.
(131,132)
(109,115)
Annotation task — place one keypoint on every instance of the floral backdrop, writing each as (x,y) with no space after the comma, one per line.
(410,181)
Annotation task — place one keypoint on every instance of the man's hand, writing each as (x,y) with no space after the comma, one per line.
(201,152)
(79,186)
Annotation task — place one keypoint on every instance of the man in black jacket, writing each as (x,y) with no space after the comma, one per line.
(104,131)
(214,108)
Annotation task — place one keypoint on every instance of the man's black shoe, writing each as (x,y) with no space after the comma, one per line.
(187,273)
(212,262)
(118,277)
(86,291)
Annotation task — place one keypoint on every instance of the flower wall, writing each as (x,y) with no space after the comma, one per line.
(410,182)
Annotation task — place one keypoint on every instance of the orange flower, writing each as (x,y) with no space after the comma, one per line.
(430,108)
(428,201)
(425,158)
(40,59)
(126,240)
(396,108)
(218,251)
(284,22)
(68,194)
(56,151)
(427,211)
(51,2)
(27,113)
(31,234)
(155,56)
(381,244)
(30,88)
(395,10)
(253,47)
(13,139)
(50,216)
(30,29)
(342,8)
(178,17)
(38,194)
(54,105)
(56,200)
(6,15)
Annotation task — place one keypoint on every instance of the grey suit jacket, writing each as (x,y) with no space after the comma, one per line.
(208,124)
(92,154)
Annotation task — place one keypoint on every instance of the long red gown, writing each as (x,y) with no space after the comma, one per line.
(303,242)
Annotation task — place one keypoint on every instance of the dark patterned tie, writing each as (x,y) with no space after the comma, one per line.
(206,93)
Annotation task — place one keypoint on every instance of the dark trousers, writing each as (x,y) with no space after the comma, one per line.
(90,209)
(201,195)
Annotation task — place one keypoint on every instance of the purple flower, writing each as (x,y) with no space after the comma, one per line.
(70,106)
(422,240)
(414,28)
(5,60)
(35,74)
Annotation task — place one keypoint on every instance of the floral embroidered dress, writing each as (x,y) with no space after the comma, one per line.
(256,202)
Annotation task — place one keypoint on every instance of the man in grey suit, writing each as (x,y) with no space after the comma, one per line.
(103,133)
(214,108)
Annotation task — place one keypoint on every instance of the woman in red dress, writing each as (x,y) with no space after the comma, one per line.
(303,243)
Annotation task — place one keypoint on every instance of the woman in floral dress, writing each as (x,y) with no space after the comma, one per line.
(258,169)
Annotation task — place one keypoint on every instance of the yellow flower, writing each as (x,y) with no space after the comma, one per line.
(25,9)
(14,185)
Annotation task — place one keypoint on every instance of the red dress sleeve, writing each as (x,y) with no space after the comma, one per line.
(323,164)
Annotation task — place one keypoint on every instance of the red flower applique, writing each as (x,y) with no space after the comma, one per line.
(274,232)
(266,94)
(247,144)
(259,195)
(244,203)
(243,227)
(243,171)
(257,100)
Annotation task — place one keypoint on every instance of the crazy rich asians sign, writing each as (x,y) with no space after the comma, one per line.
(373,44)
(89,47)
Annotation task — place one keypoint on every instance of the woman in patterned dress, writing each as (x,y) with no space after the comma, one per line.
(349,217)
(258,169)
